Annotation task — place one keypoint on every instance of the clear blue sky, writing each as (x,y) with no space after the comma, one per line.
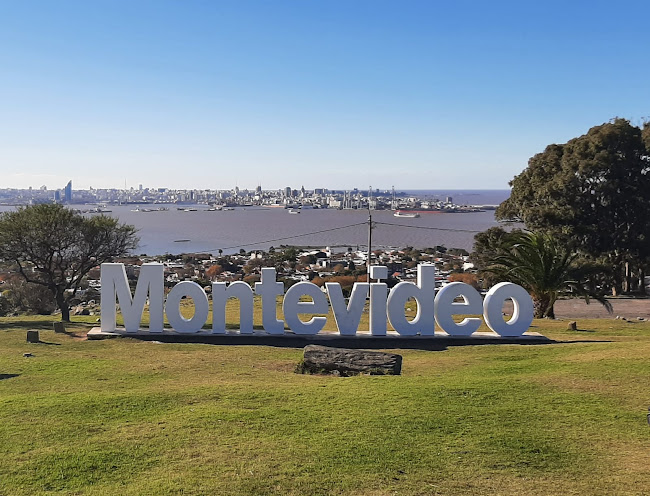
(338,94)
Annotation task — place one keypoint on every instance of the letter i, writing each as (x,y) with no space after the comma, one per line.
(378,297)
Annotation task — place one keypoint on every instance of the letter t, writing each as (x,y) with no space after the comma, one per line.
(268,288)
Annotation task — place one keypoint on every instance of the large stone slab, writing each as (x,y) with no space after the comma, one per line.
(346,361)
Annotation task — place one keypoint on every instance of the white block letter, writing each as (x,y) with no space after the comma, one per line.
(220,294)
(173,310)
(348,316)
(378,298)
(423,293)
(522,316)
(292,306)
(445,308)
(268,288)
(115,283)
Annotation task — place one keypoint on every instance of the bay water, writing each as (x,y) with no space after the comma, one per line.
(177,231)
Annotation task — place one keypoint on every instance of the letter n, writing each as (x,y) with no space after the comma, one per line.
(115,283)
(220,294)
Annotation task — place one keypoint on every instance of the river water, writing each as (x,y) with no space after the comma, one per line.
(176,231)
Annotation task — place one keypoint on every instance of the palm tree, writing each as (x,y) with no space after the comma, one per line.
(546,268)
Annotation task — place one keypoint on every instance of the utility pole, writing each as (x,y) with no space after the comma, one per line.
(368,261)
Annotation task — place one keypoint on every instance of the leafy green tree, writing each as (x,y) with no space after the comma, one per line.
(593,191)
(488,245)
(545,267)
(54,247)
(645,134)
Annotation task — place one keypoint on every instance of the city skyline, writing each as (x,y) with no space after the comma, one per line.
(213,95)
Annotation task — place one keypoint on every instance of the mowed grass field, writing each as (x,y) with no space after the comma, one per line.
(129,417)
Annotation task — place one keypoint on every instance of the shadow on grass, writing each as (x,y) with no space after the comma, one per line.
(36,325)
(358,342)
(79,328)
(8,376)
(48,343)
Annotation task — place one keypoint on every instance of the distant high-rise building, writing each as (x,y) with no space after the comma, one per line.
(57,196)
(287,191)
(67,192)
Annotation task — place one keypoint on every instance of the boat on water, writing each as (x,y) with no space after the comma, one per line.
(292,211)
(97,210)
(409,215)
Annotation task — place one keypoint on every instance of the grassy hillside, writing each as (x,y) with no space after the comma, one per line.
(128,417)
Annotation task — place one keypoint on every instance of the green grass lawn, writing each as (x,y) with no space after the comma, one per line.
(128,417)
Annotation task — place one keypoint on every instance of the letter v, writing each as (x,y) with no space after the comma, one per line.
(347,317)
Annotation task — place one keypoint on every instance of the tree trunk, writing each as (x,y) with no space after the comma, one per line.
(627,280)
(63,306)
(642,281)
(543,306)
(617,283)
(617,275)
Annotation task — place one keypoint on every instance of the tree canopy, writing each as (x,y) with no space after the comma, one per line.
(55,247)
(594,191)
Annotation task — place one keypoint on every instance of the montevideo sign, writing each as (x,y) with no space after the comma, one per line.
(435,308)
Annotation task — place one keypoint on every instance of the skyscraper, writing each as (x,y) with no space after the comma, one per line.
(67,192)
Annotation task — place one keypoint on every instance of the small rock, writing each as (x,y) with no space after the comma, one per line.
(640,318)
(573,326)
(27,355)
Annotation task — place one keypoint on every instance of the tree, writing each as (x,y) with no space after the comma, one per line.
(213,271)
(466,277)
(55,247)
(488,245)
(545,267)
(22,296)
(592,191)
